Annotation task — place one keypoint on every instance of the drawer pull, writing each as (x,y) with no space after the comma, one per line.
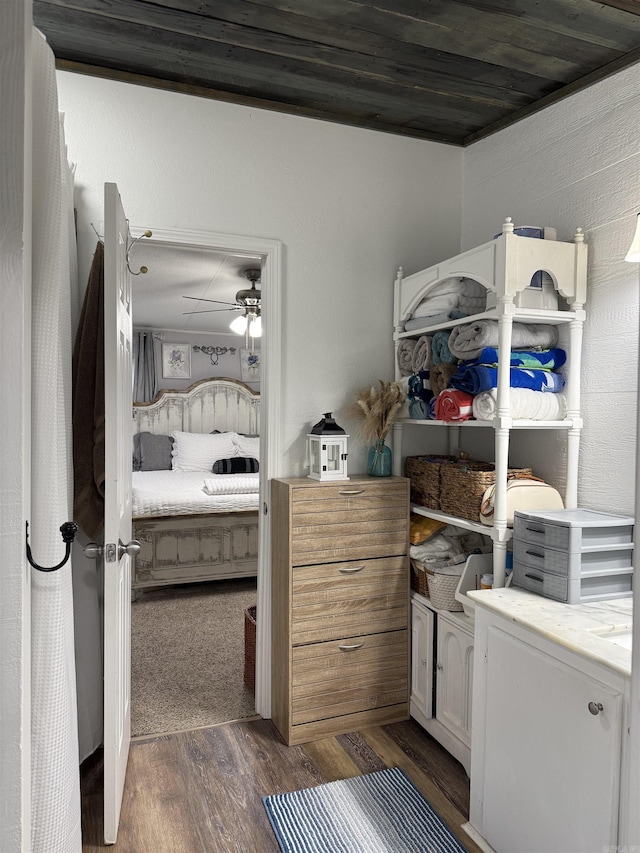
(349,570)
(595,708)
(350,491)
(533,577)
(535,554)
(352,647)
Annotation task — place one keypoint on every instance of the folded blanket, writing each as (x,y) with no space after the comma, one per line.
(440,349)
(468,341)
(435,319)
(231,484)
(436,303)
(477,378)
(439,376)
(472,304)
(421,358)
(454,405)
(545,359)
(524,404)
(405,355)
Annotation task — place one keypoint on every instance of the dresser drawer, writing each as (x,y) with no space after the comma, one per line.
(334,600)
(354,674)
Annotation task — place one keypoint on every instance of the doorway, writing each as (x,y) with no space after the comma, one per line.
(268,253)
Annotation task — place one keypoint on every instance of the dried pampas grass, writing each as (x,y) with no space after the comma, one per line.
(378,408)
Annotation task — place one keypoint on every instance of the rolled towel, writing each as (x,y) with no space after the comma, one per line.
(432,409)
(524,404)
(405,355)
(421,359)
(440,375)
(468,341)
(440,349)
(546,359)
(419,386)
(454,405)
(419,410)
(477,378)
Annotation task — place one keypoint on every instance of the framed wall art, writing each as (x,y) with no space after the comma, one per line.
(249,365)
(176,361)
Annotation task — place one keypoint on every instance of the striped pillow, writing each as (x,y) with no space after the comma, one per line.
(235,465)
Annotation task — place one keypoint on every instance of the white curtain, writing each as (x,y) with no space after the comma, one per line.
(144,367)
(55,773)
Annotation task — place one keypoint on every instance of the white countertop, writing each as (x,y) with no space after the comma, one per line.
(570,625)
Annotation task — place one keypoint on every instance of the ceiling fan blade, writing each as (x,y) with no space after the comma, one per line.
(202,299)
(212,310)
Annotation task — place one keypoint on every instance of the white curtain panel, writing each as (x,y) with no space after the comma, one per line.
(55,775)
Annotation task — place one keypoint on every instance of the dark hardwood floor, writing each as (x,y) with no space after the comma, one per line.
(200,791)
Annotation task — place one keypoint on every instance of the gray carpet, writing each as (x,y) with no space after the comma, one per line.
(187,656)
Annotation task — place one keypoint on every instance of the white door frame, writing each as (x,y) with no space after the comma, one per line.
(270,413)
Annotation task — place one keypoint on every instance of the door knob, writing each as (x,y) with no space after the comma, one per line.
(595,708)
(131,548)
(92,550)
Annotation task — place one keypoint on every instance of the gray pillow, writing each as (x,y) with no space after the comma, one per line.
(152,452)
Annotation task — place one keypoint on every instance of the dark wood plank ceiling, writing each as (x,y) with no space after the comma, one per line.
(448,70)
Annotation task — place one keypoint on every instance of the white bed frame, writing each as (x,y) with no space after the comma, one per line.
(214,546)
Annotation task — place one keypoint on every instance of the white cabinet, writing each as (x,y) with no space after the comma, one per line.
(442,665)
(422,634)
(548,740)
(505,267)
(454,677)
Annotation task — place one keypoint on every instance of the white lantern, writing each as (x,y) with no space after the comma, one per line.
(327,450)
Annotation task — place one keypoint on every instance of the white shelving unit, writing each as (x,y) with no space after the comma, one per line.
(505,266)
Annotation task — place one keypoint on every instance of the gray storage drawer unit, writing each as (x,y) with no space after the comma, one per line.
(573,555)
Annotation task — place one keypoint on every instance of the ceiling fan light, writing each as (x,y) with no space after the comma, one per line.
(255,327)
(239,325)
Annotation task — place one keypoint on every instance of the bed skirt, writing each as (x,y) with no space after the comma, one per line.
(185,549)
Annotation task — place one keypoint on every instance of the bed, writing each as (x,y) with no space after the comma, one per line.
(195,524)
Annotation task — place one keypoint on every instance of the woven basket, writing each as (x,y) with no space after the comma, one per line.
(250,647)
(419,577)
(464,484)
(442,591)
(424,473)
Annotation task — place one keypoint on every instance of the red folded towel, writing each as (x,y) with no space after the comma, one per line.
(454,405)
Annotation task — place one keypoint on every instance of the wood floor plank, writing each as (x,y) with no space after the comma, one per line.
(332,760)
(201,791)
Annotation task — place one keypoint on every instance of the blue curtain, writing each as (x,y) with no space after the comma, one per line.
(145,384)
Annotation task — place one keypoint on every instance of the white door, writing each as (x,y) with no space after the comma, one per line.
(117,520)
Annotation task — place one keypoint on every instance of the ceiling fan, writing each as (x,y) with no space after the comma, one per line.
(247,300)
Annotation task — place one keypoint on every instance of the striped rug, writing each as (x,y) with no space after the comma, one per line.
(381,812)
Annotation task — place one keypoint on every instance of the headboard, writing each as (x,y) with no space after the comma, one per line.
(222,404)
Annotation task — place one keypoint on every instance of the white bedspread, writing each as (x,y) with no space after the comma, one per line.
(182,493)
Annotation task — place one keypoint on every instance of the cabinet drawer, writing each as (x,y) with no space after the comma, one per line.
(349,598)
(571,563)
(346,676)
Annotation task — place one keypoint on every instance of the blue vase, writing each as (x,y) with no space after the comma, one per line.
(379,460)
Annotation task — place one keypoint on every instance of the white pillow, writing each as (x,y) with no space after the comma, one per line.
(195,451)
(247,445)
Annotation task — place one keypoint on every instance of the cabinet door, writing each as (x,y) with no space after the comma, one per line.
(552,767)
(454,678)
(422,625)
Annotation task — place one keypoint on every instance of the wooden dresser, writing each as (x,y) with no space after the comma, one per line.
(340,605)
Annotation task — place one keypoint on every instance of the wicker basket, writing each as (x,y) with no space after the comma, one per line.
(250,648)
(464,484)
(442,591)
(424,473)
(419,574)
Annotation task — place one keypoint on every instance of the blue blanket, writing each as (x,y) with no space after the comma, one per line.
(440,349)
(477,378)
(545,359)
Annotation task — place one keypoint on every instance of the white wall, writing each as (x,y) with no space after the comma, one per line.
(349,205)
(577,163)
(202,366)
